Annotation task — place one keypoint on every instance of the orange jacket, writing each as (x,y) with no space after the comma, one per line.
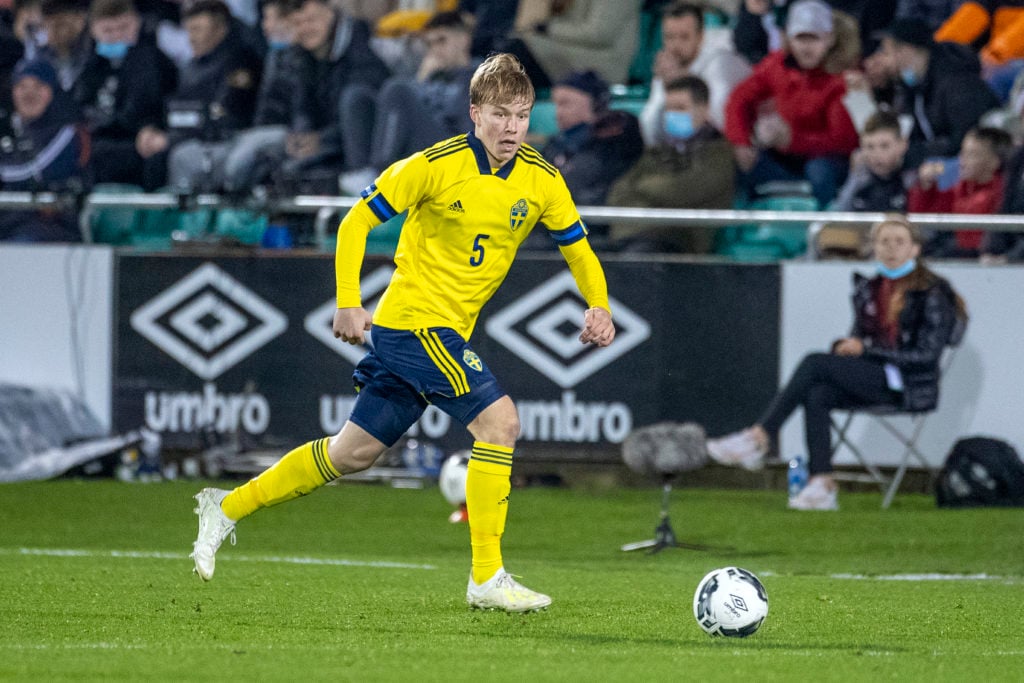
(1003,20)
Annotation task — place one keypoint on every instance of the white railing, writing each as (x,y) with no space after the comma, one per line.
(328,209)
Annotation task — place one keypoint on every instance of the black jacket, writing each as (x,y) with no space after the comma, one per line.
(318,83)
(948,102)
(592,157)
(927,324)
(119,99)
(222,85)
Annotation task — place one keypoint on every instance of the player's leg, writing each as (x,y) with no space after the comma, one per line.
(385,408)
(488,484)
(301,471)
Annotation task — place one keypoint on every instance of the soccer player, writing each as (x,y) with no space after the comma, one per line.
(472,200)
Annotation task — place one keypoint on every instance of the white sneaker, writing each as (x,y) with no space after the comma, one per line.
(352,183)
(816,496)
(214,527)
(503,592)
(739,448)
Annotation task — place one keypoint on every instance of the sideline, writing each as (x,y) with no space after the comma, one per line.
(156,555)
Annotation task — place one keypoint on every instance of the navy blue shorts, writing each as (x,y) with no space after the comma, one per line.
(407,370)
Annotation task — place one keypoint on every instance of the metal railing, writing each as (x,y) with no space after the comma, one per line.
(328,209)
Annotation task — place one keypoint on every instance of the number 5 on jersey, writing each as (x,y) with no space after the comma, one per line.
(478,250)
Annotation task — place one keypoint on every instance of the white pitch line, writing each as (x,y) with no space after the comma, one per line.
(156,555)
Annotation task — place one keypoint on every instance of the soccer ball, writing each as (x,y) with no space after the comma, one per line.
(730,602)
(452,480)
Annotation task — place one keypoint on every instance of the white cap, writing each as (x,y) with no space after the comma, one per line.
(808,16)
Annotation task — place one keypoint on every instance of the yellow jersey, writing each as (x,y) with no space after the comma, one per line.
(464,227)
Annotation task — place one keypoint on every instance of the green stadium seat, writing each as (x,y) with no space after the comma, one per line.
(768,241)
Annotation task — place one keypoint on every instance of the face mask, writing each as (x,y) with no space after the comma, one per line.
(39,37)
(897,272)
(276,45)
(112,50)
(909,77)
(678,125)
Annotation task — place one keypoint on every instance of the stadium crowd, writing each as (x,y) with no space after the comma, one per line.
(857,105)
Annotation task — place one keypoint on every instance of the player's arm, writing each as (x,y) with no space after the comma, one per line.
(351,320)
(598,327)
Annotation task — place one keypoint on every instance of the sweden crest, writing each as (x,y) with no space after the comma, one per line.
(517,214)
(472,360)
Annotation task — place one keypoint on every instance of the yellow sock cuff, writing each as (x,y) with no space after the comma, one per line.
(323,461)
(491,459)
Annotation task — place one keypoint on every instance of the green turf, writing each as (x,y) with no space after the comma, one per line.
(128,608)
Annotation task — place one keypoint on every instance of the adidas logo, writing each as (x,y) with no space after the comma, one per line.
(456,206)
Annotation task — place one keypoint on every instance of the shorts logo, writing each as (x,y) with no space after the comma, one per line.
(208,321)
(517,214)
(472,360)
(319,322)
(542,328)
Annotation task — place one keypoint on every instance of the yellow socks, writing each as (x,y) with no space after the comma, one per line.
(487,487)
(299,472)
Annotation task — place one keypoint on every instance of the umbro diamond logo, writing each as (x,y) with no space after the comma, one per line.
(456,206)
(541,327)
(208,321)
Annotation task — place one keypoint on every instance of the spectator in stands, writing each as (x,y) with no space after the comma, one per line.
(690,167)
(810,135)
(274,102)
(940,89)
(1002,247)
(879,178)
(758,29)
(28,26)
(215,97)
(688,50)
(11,51)
(331,52)
(407,115)
(43,151)
(578,36)
(68,45)
(493,21)
(1000,24)
(121,89)
(932,12)
(904,317)
(978,190)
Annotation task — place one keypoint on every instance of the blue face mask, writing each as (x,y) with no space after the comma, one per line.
(112,50)
(678,125)
(276,45)
(909,77)
(897,272)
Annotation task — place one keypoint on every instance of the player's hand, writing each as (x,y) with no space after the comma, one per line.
(352,324)
(598,327)
(851,346)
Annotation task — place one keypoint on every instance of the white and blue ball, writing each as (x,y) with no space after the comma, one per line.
(730,602)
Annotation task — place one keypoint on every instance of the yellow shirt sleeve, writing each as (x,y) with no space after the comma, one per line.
(588,273)
(348,256)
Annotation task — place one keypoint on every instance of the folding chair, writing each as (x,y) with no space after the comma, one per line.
(906,437)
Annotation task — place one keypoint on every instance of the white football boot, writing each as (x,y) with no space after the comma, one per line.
(503,592)
(214,527)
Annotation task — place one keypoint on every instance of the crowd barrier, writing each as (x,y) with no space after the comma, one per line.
(326,210)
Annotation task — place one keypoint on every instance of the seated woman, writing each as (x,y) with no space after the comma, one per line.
(903,319)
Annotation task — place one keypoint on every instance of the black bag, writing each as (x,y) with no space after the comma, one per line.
(981,471)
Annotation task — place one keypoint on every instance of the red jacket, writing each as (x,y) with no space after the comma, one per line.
(966,196)
(811,102)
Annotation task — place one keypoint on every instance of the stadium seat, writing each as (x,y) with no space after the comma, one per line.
(768,241)
(907,436)
(542,119)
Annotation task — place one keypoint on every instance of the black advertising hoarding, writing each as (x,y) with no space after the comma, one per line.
(243,344)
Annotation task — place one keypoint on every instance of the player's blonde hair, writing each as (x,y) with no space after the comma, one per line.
(501,79)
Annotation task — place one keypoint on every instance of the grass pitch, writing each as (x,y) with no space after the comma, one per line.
(367,583)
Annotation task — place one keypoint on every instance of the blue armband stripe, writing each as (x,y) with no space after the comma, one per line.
(574,233)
